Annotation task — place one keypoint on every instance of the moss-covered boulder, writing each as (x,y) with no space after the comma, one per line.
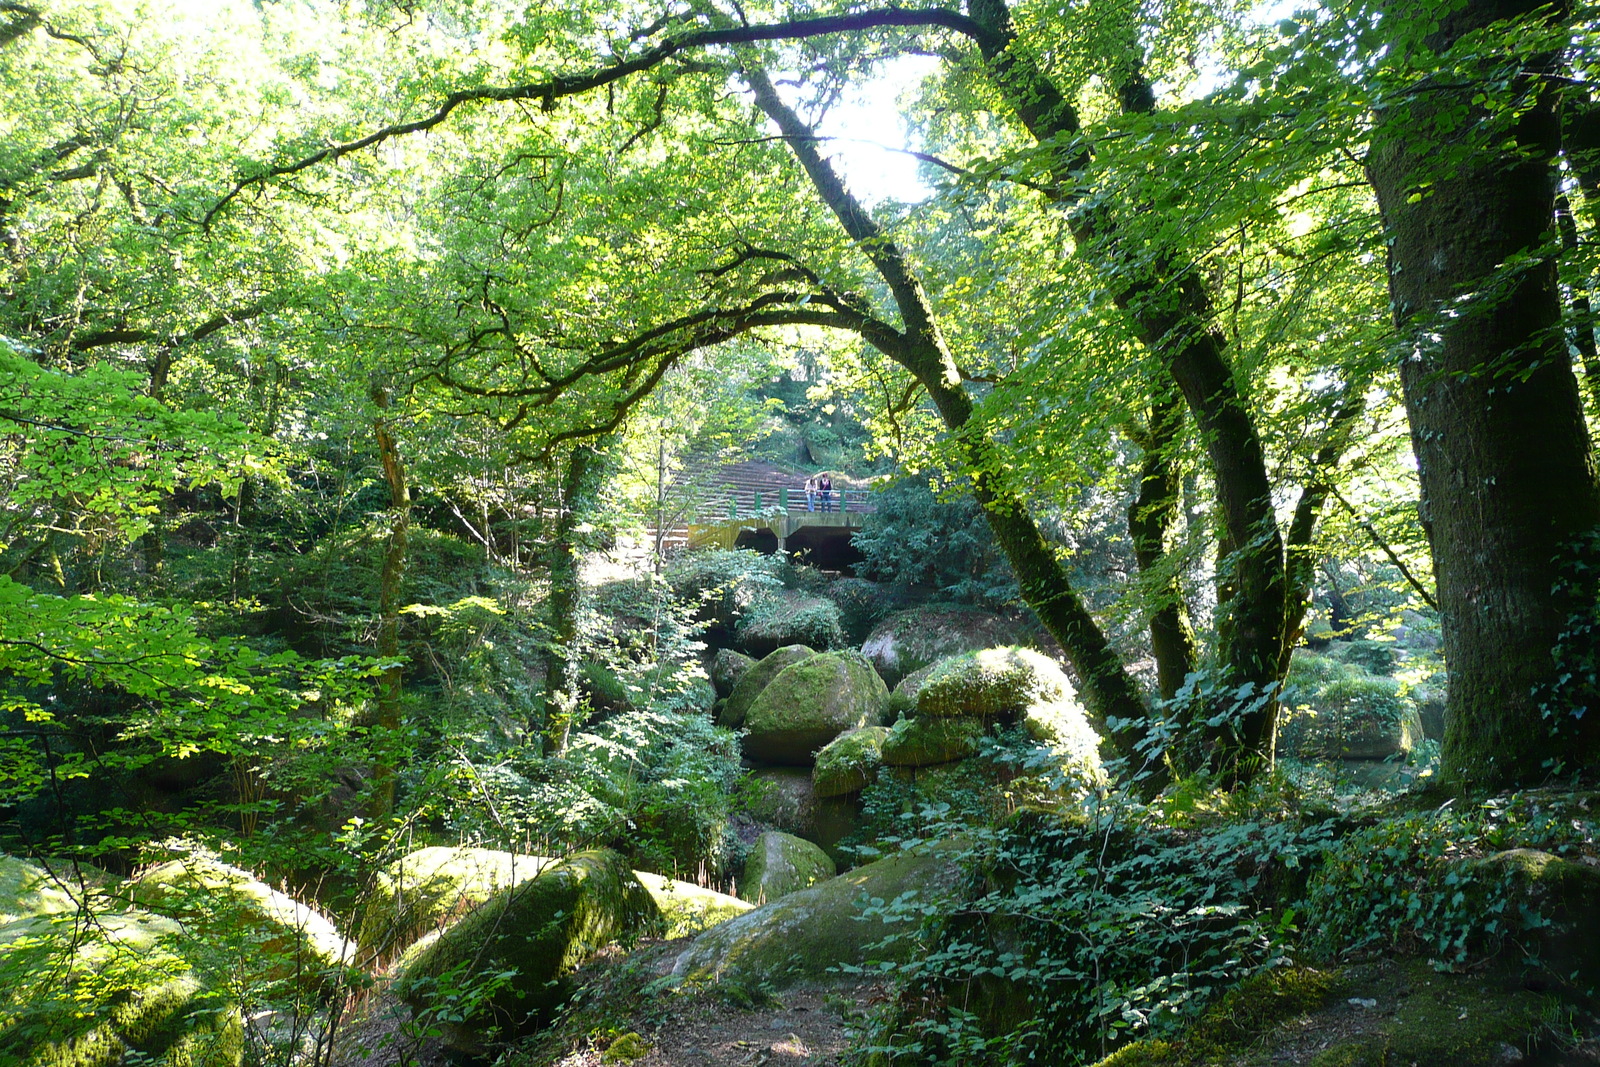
(726,668)
(242,921)
(781,864)
(499,970)
(919,637)
(26,890)
(992,683)
(109,992)
(755,679)
(788,617)
(806,936)
(785,798)
(925,742)
(688,909)
(426,889)
(810,703)
(1064,726)
(848,762)
(903,698)
(1559,900)
(1349,715)
(1373,1015)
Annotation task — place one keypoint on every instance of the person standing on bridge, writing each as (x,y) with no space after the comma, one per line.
(825,490)
(811,493)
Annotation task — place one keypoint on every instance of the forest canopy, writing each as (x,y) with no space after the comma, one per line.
(360,363)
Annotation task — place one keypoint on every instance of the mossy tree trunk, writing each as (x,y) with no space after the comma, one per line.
(579,483)
(385,720)
(1169,309)
(1151,517)
(1467,187)
(1109,691)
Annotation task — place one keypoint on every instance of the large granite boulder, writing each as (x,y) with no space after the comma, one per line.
(785,798)
(511,954)
(108,992)
(755,679)
(235,916)
(810,703)
(910,640)
(781,864)
(992,684)
(787,617)
(805,937)
(688,909)
(922,741)
(849,762)
(428,888)
(26,890)
(726,668)
(1351,715)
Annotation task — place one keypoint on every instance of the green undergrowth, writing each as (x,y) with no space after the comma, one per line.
(1167,930)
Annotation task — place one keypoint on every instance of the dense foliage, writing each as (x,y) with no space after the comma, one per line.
(361,362)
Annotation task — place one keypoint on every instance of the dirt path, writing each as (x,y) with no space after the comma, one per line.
(626,1006)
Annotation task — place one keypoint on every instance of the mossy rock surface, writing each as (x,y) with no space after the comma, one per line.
(926,742)
(848,762)
(1387,1014)
(755,679)
(424,890)
(726,668)
(788,617)
(909,640)
(810,703)
(26,890)
(536,933)
(806,936)
(992,684)
(1566,898)
(781,864)
(109,992)
(1340,711)
(1064,726)
(787,800)
(243,920)
(688,909)
(903,698)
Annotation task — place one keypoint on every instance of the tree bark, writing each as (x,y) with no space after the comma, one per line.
(1503,456)
(1169,310)
(1150,520)
(578,485)
(386,718)
(1108,690)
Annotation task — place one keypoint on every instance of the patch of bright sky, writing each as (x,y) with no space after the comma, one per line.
(872,140)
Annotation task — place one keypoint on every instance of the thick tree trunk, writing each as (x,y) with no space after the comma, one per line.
(561,679)
(1503,456)
(385,720)
(1170,311)
(1150,520)
(1108,690)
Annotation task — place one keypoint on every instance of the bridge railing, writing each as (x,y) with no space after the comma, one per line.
(782,500)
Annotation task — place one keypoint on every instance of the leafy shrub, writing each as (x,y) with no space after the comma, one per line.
(1407,882)
(654,784)
(721,583)
(914,538)
(1377,657)
(1093,927)
(862,605)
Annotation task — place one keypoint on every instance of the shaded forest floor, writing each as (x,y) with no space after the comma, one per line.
(626,1007)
